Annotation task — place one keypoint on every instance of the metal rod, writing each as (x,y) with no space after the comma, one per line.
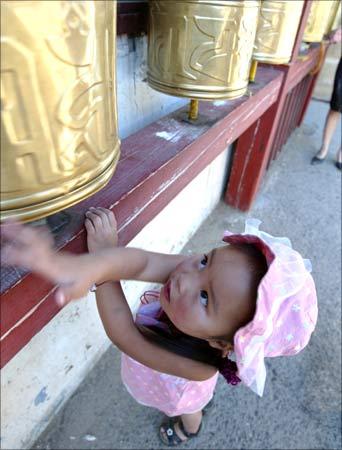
(193,109)
(253,71)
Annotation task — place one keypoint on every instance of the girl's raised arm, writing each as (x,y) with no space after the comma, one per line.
(31,248)
(75,274)
(121,330)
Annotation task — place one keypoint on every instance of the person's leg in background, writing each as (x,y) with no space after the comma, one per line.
(333,117)
(331,122)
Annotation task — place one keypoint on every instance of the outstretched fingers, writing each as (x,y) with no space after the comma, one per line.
(89,226)
(101,217)
(94,218)
(24,245)
(101,229)
(11,256)
(110,216)
(14,231)
(64,295)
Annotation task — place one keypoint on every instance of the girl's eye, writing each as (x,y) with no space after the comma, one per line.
(204,298)
(204,261)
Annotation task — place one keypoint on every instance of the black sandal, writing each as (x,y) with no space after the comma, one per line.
(169,436)
(316,160)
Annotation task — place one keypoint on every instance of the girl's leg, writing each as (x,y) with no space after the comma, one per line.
(192,422)
(330,125)
(186,426)
(180,429)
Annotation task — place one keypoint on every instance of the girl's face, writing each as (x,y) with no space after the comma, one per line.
(209,295)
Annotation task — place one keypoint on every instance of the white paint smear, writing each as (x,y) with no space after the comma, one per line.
(219,102)
(173,137)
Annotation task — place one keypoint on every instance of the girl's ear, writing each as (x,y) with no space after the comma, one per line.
(224,346)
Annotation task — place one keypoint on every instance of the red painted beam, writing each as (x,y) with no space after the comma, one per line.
(286,121)
(281,130)
(301,68)
(150,173)
(297,93)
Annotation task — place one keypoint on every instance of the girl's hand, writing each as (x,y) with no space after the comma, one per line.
(32,248)
(101,229)
(28,247)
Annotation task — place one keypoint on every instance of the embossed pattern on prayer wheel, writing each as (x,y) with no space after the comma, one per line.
(201,49)
(59,139)
(334,18)
(277,29)
(318,20)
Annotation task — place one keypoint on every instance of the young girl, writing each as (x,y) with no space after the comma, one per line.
(254,296)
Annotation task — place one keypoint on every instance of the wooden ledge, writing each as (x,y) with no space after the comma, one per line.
(301,67)
(156,163)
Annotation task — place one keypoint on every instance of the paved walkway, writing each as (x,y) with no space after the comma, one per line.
(301,407)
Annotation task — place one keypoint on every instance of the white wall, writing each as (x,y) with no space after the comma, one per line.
(42,376)
(138,104)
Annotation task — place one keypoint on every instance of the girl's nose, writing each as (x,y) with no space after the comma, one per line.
(189,284)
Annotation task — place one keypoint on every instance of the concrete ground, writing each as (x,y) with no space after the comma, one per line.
(301,406)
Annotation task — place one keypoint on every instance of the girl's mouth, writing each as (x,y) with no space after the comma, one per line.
(167,290)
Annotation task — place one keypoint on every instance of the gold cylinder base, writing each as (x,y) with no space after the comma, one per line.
(37,211)
(59,137)
(198,94)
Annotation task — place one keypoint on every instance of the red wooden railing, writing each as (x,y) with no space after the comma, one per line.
(291,116)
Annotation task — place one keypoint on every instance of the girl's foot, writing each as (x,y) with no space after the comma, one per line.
(173,432)
(101,229)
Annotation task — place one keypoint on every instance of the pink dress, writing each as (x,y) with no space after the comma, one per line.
(170,394)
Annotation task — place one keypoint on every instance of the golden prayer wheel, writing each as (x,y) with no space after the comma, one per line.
(318,20)
(201,49)
(334,18)
(277,29)
(59,139)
